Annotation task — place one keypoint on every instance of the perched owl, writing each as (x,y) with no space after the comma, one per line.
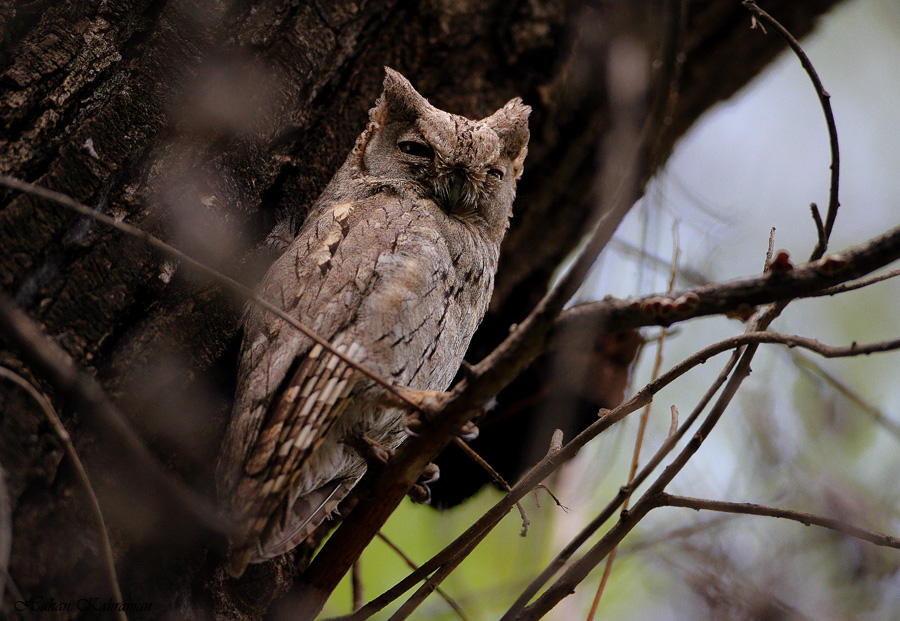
(394,267)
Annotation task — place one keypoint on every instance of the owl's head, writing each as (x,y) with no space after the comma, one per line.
(468,168)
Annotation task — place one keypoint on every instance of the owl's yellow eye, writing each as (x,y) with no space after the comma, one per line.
(416,149)
(495,172)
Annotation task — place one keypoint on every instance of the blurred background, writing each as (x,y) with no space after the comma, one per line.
(804,433)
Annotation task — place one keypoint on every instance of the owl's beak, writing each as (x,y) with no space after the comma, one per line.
(456,188)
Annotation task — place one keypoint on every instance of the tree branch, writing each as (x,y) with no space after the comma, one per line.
(825,101)
(807,519)
(806,280)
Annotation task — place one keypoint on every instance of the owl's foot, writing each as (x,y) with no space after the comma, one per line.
(412,424)
(414,401)
(370,450)
(420,492)
(468,432)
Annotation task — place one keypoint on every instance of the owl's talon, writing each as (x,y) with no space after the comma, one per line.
(370,450)
(412,424)
(420,492)
(430,474)
(468,432)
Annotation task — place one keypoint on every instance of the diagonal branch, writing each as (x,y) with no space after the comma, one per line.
(70,203)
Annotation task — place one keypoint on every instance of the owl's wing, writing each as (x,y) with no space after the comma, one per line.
(298,423)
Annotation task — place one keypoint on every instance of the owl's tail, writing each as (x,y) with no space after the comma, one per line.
(290,525)
(303,518)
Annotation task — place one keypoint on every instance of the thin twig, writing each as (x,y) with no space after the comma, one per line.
(673,425)
(859,284)
(745,508)
(821,235)
(450,601)
(825,101)
(770,250)
(642,427)
(231,284)
(357,587)
(83,480)
(478,459)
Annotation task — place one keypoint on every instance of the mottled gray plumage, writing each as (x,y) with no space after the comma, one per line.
(394,267)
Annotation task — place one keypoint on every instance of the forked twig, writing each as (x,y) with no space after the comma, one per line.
(478,459)
(450,601)
(858,284)
(825,101)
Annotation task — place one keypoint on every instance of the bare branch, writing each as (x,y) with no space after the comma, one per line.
(805,280)
(450,601)
(471,454)
(859,284)
(821,235)
(825,101)
(231,284)
(673,426)
(746,508)
(357,588)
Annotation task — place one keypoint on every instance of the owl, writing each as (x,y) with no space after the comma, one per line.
(394,267)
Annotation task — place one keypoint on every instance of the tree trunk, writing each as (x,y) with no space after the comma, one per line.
(207,123)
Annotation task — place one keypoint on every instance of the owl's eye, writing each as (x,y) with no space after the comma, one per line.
(496,172)
(416,149)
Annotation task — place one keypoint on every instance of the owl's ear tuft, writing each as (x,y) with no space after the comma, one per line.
(399,101)
(511,124)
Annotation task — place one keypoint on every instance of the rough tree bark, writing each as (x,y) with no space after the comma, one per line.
(209,122)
